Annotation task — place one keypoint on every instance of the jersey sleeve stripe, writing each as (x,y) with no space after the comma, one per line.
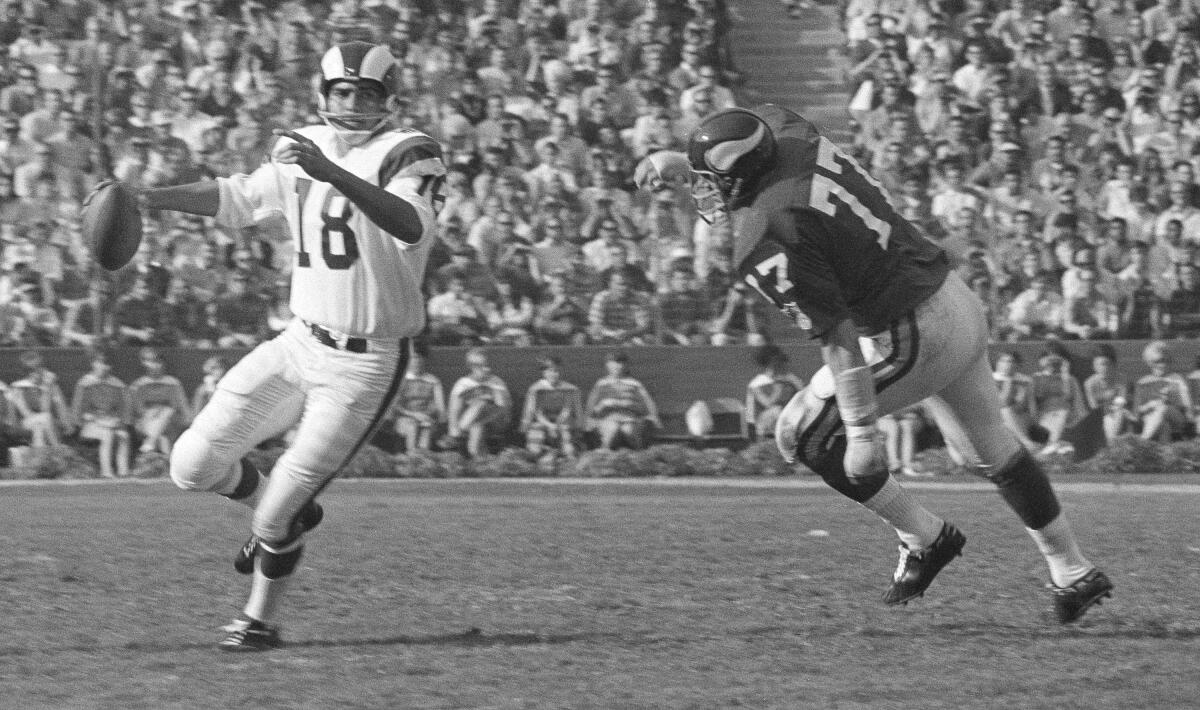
(416,156)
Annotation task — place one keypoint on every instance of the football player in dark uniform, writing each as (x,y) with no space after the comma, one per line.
(820,238)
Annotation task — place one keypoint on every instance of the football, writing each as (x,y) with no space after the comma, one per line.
(112,224)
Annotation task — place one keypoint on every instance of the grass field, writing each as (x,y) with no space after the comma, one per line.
(475,594)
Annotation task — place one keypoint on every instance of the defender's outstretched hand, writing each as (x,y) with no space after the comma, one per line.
(662,169)
(304,152)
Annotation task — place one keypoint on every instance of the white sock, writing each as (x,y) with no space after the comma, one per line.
(1057,544)
(266,593)
(917,527)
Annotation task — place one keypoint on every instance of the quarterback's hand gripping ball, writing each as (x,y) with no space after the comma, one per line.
(111,224)
(663,169)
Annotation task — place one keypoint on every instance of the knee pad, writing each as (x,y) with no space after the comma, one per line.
(248,479)
(1026,488)
(196,466)
(809,431)
(275,562)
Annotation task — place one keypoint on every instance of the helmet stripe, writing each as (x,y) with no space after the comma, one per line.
(722,156)
(332,66)
(376,63)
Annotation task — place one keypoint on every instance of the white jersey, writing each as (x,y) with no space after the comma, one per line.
(349,275)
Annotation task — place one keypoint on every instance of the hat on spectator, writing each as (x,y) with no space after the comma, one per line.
(1009,148)
(1112,112)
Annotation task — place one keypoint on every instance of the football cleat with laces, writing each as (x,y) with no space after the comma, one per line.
(917,568)
(1072,601)
(310,517)
(247,635)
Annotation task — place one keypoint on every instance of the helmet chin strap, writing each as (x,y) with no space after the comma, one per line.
(343,125)
(706,194)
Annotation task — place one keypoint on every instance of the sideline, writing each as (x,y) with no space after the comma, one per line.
(808,483)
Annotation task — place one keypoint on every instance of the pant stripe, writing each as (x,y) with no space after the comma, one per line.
(904,353)
(378,419)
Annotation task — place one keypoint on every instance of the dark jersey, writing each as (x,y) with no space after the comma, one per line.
(823,241)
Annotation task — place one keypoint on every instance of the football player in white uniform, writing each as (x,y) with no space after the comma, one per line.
(360,198)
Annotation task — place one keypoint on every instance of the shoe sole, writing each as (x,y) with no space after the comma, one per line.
(246,647)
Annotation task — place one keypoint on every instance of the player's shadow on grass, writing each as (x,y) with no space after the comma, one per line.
(1132,630)
(471,637)
(477,638)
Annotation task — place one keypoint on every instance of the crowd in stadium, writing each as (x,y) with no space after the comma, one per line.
(543,109)
(1050,148)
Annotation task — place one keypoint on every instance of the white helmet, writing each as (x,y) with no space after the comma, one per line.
(357,62)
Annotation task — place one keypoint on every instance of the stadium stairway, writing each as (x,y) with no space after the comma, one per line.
(794,62)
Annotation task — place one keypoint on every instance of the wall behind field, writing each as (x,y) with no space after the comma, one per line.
(675,376)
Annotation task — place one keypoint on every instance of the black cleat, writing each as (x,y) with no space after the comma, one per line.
(917,569)
(1071,602)
(310,517)
(243,562)
(246,635)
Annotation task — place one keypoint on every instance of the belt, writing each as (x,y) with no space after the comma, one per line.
(324,337)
